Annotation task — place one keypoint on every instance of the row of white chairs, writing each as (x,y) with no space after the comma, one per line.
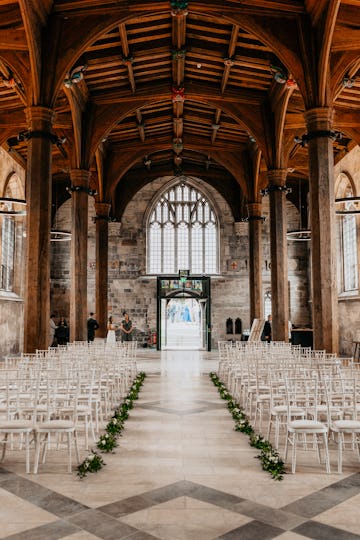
(59,393)
(294,389)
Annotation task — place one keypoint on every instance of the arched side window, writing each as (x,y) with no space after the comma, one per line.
(182,232)
(7,253)
(12,190)
(349,279)
(267,303)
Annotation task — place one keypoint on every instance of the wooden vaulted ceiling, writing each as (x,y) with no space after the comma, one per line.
(213,89)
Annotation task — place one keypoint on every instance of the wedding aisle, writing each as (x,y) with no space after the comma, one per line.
(180,472)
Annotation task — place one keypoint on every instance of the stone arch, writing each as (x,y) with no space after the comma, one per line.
(13,187)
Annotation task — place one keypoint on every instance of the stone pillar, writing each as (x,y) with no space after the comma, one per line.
(255,261)
(323,236)
(79,254)
(38,195)
(278,248)
(102,248)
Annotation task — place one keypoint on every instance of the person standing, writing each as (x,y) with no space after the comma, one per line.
(62,332)
(126,328)
(92,325)
(52,330)
(111,327)
(267,330)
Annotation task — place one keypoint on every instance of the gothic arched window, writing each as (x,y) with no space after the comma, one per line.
(182,233)
(8,228)
(349,280)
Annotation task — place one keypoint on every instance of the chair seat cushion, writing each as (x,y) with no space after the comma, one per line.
(283,409)
(351,425)
(54,425)
(310,425)
(6,425)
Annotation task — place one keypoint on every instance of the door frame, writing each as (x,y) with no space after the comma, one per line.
(198,287)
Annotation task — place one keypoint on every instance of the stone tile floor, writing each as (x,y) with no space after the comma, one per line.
(180,472)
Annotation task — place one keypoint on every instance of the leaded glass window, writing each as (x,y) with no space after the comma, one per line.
(350,263)
(349,281)
(7,253)
(182,233)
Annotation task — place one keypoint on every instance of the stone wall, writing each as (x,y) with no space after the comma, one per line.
(132,290)
(12,182)
(349,303)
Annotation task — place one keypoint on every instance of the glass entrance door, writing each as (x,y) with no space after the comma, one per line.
(183,316)
(181,324)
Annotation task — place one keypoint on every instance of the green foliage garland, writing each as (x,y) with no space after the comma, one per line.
(92,463)
(269,456)
(108,440)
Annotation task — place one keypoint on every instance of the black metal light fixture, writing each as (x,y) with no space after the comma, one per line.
(302,234)
(6,206)
(347,211)
(56,235)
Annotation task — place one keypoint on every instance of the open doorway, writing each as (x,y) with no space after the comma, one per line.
(182,323)
(183,313)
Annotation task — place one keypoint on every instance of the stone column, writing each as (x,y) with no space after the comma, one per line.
(323,236)
(255,261)
(278,248)
(102,248)
(79,254)
(38,195)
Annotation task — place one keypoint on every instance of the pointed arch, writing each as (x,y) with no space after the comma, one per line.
(182,231)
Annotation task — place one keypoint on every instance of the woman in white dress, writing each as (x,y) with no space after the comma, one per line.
(111,338)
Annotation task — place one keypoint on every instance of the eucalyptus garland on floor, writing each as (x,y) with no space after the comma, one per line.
(269,456)
(108,440)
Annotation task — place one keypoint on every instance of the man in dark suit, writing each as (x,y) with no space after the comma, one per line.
(92,325)
(266,335)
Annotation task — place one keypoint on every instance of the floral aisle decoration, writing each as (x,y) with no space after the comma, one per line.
(108,440)
(92,463)
(269,456)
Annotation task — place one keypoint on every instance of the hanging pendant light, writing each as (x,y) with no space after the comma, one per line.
(302,234)
(6,206)
(348,211)
(56,234)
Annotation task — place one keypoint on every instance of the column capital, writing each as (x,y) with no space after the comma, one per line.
(102,210)
(254,209)
(319,119)
(80,180)
(39,114)
(277,177)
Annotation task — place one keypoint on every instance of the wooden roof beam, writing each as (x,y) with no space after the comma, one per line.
(178,127)
(216,125)
(127,57)
(178,27)
(7,76)
(229,61)
(178,66)
(140,125)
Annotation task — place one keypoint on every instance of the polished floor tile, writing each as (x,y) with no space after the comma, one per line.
(180,472)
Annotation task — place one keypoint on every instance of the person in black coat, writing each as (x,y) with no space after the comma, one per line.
(266,335)
(92,325)
(62,332)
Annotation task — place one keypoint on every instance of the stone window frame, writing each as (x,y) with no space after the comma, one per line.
(11,230)
(193,185)
(347,237)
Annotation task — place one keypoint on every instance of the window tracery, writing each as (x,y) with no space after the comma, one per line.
(182,232)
